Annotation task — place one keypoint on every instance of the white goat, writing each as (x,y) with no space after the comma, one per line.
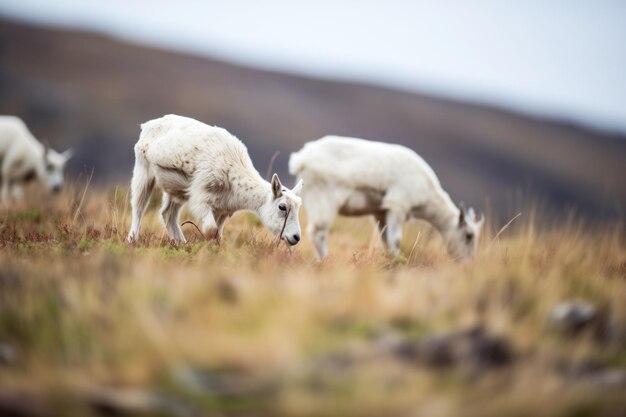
(23,159)
(356,177)
(211,170)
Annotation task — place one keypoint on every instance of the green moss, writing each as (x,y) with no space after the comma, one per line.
(217,390)
(186,251)
(410,328)
(116,248)
(29,214)
(86,244)
(175,251)
(26,247)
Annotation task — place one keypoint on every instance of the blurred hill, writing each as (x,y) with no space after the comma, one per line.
(92,92)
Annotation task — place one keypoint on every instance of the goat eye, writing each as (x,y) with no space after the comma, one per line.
(469,237)
(282,207)
(49,167)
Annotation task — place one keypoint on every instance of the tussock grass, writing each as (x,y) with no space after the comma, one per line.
(248,328)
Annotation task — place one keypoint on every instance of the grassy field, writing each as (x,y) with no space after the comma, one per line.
(90,325)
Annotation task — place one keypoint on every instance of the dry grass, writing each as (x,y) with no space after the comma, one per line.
(94,325)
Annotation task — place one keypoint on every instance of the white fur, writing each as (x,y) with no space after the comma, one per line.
(209,169)
(355,177)
(23,158)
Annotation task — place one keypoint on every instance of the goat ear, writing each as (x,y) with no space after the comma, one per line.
(46,147)
(277,187)
(461,215)
(298,188)
(481,220)
(471,214)
(68,153)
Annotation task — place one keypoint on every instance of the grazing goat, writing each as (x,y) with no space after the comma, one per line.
(355,177)
(211,170)
(23,159)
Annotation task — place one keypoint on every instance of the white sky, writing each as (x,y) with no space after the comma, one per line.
(561,58)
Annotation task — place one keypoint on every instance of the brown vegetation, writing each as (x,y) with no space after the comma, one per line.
(90,325)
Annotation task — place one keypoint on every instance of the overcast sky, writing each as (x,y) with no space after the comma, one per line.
(561,58)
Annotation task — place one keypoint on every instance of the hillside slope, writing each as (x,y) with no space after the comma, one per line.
(92,92)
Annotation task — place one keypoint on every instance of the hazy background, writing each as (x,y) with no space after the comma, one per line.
(505,100)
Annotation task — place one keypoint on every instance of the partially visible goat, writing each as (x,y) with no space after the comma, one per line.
(23,159)
(356,177)
(210,169)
